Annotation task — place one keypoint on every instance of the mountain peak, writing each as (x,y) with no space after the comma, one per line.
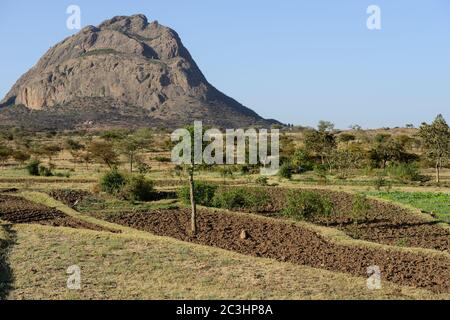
(127,61)
(136,23)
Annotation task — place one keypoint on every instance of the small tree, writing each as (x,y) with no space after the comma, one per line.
(131,145)
(5,153)
(360,207)
(112,181)
(50,151)
(190,167)
(436,141)
(285,171)
(33,167)
(21,156)
(74,148)
(103,151)
(321,141)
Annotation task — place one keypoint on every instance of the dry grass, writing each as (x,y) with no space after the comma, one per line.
(128,267)
(138,265)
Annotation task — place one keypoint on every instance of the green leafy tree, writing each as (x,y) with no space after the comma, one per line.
(436,141)
(322,141)
(386,149)
(133,144)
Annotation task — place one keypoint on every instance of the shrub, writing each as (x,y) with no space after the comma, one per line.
(33,167)
(21,156)
(301,161)
(285,171)
(226,172)
(143,168)
(380,182)
(203,193)
(65,174)
(406,172)
(360,207)
(241,198)
(45,172)
(304,205)
(112,181)
(245,169)
(138,188)
(262,180)
(321,172)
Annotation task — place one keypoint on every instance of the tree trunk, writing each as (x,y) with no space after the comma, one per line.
(438,169)
(193,204)
(131,164)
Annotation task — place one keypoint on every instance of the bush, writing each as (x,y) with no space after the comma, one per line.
(112,182)
(380,182)
(321,172)
(33,167)
(360,207)
(203,193)
(241,198)
(245,169)
(302,161)
(45,172)
(143,168)
(285,171)
(226,172)
(138,188)
(262,180)
(405,172)
(304,205)
(65,174)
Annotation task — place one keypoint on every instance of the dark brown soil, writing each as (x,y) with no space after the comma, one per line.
(287,242)
(384,223)
(18,210)
(45,180)
(8,190)
(70,197)
(179,183)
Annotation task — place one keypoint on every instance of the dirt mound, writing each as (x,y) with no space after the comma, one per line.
(292,243)
(18,210)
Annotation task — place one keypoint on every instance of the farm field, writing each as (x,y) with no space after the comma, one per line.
(124,262)
(436,203)
(254,238)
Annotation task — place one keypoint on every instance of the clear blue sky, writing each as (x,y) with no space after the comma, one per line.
(296,61)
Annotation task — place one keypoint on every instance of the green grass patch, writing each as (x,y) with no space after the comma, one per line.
(438,203)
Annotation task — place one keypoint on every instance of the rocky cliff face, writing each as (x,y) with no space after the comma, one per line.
(126,61)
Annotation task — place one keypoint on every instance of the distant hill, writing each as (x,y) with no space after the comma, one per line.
(125,72)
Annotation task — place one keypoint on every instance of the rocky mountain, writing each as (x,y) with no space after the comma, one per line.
(125,72)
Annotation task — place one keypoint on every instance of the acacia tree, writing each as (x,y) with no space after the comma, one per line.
(5,153)
(131,145)
(74,148)
(104,152)
(21,156)
(321,141)
(436,141)
(385,149)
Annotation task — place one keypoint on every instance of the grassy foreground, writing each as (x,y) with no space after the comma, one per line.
(128,266)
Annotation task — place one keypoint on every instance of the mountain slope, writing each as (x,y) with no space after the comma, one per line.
(124,67)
